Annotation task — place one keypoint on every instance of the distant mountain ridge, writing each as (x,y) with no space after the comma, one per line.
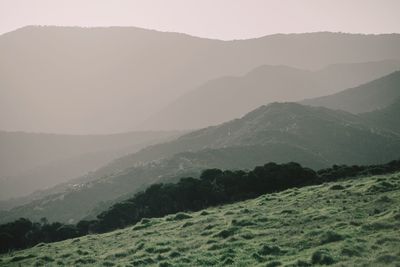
(100,75)
(367,97)
(227,98)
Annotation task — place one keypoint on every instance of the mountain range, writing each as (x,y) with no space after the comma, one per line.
(231,97)
(116,77)
(313,136)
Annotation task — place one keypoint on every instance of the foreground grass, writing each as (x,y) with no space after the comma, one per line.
(349,223)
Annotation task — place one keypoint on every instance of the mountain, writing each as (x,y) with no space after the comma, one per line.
(306,127)
(280,132)
(368,97)
(226,98)
(62,78)
(34,161)
(354,222)
(386,118)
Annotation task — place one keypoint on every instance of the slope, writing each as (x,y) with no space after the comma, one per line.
(279,132)
(374,95)
(33,161)
(335,136)
(226,98)
(348,223)
(386,118)
(61,77)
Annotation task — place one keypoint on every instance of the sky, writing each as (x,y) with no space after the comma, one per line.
(218,19)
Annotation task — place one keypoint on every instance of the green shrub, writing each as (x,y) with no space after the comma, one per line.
(387,259)
(181,216)
(271,250)
(337,187)
(322,257)
(85,261)
(242,223)
(273,264)
(227,232)
(350,251)
(331,236)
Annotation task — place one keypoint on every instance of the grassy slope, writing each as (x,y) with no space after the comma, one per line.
(351,223)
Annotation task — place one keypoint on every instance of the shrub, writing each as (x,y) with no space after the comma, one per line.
(330,236)
(336,187)
(227,232)
(387,259)
(273,264)
(322,257)
(271,250)
(181,216)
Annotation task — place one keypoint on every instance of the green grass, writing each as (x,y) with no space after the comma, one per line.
(349,223)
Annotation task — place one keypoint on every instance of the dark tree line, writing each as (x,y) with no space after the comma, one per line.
(214,187)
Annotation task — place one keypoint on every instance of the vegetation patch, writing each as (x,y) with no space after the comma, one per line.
(242,223)
(331,236)
(227,232)
(387,259)
(180,216)
(264,235)
(85,260)
(22,257)
(271,250)
(273,264)
(322,257)
(337,187)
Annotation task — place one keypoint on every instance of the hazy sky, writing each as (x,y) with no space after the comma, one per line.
(222,19)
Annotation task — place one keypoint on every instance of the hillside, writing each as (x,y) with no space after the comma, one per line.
(279,132)
(109,76)
(332,136)
(86,197)
(352,223)
(368,97)
(231,97)
(35,161)
(386,118)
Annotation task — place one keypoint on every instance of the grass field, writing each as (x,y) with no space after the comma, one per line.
(348,223)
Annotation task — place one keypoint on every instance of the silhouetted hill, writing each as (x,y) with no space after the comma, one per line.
(61,78)
(374,95)
(279,132)
(230,97)
(33,161)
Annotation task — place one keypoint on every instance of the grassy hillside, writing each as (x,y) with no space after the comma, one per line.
(351,223)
